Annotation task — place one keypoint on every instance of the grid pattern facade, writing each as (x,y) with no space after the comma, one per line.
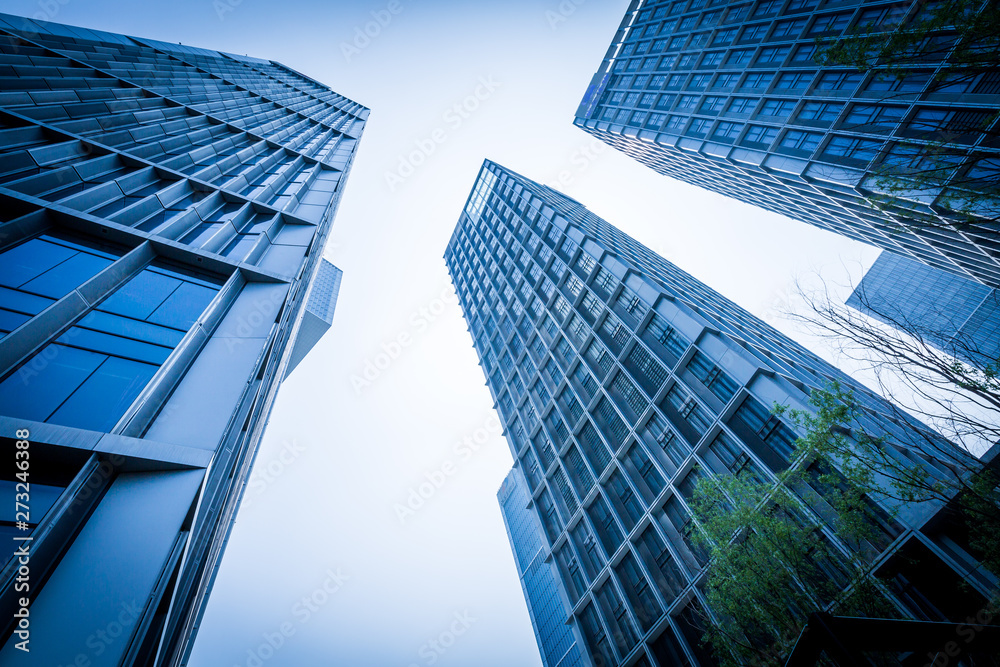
(163,213)
(539,581)
(620,380)
(957,316)
(727,95)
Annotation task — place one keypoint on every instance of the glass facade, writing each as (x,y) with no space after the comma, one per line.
(727,95)
(163,214)
(557,642)
(620,380)
(958,316)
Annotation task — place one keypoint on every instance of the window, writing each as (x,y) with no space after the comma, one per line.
(754,33)
(687,103)
(741,105)
(909,83)
(779,437)
(635,401)
(788,29)
(873,115)
(739,57)
(95,370)
(650,374)
(803,142)
(804,53)
(699,127)
(712,377)
(757,80)
(793,80)
(712,58)
(830,23)
(36,273)
(772,55)
(726,80)
(665,335)
(820,111)
(777,108)
(712,104)
(727,131)
(760,135)
(839,81)
(683,405)
(860,150)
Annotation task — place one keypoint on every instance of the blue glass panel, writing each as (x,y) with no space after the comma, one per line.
(105,396)
(23,302)
(28,260)
(115,345)
(140,296)
(59,281)
(184,306)
(38,387)
(42,498)
(10,321)
(126,326)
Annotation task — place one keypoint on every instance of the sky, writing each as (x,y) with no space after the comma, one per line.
(333,560)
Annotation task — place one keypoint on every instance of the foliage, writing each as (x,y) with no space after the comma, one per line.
(934,178)
(772,565)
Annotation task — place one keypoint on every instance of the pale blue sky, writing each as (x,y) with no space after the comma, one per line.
(340,458)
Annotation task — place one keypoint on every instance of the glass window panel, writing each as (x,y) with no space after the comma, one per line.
(105,343)
(29,260)
(60,280)
(36,389)
(184,306)
(141,295)
(105,396)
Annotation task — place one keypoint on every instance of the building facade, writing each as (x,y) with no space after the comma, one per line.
(620,381)
(557,642)
(728,96)
(163,214)
(957,316)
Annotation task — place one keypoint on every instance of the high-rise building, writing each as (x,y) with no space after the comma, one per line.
(163,215)
(620,381)
(955,315)
(727,95)
(557,642)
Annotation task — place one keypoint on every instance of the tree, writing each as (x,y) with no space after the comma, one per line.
(936,176)
(772,562)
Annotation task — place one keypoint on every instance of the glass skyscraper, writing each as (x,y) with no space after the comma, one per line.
(727,95)
(620,381)
(557,642)
(954,315)
(163,215)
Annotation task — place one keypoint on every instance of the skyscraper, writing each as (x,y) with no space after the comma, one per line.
(557,642)
(620,381)
(955,315)
(728,96)
(164,214)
